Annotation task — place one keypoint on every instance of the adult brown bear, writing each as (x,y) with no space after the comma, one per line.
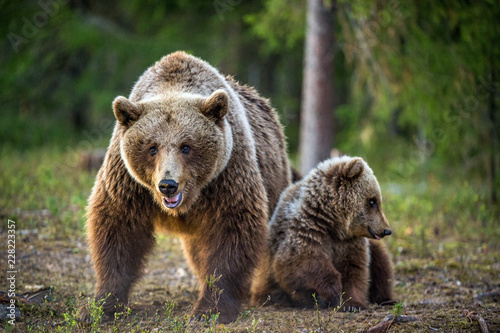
(193,153)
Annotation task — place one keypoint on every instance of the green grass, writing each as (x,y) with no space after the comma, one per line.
(45,189)
(437,216)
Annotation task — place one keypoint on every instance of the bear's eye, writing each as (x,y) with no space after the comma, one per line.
(153,150)
(372,203)
(185,149)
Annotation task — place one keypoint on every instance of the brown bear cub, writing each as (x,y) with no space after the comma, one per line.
(324,240)
(196,154)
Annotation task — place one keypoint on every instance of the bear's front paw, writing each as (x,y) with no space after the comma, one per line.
(84,315)
(223,317)
(330,296)
(352,307)
(93,312)
(87,315)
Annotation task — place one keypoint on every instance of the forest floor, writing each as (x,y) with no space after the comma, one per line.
(445,281)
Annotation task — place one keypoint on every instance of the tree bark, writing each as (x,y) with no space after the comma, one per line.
(316,123)
(494,135)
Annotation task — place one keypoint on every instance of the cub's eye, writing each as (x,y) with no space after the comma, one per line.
(372,203)
(185,149)
(153,150)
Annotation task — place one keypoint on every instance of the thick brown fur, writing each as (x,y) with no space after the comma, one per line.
(229,179)
(319,241)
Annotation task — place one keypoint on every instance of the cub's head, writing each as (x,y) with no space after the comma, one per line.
(347,191)
(176,145)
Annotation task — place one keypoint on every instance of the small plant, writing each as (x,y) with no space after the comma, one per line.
(255,325)
(332,313)
(120,315)
(213,318)
(255,322)
(95,314)
(211,282)
(318,317)
(169,307)
(70,317)
(212,321)
(397,310)
(175,324)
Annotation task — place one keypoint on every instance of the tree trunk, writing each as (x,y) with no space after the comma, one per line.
(494,135)
(316,123)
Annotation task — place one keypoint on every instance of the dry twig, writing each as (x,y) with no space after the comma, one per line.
(388,320)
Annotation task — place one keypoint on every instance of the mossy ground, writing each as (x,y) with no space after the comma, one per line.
(445,249)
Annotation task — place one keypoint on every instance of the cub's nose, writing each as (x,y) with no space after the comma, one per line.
(387,232)
(168,186)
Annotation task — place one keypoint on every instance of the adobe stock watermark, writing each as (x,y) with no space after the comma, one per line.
(30,26)
(223,6)
(11,272)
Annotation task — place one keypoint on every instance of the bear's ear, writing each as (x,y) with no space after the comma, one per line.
(216,106)
(126,112)
(354,168)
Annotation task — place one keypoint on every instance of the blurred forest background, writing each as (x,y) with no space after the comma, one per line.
(416,82)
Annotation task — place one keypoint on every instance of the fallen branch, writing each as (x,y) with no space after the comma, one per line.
(482,323)
(388,320)
(381,327)
(34,297)
(493,295)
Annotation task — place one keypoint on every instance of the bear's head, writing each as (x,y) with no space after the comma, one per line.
(347,191)
(175,145)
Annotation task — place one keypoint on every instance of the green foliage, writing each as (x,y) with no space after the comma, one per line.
(173,323)
(212,318)
(423,214)
(44,189)
(427,69)
(254,327)
(397,309)
(281,24)
(96,312)
(62,74)
(71,322)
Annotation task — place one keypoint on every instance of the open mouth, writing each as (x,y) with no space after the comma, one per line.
(173,201)
(373,233)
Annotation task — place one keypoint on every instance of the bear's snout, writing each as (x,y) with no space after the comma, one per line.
(382,234)
(168,186)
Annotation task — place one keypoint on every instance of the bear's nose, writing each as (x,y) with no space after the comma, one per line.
(168,186)
(387,232)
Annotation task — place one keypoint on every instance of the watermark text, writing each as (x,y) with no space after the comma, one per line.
(11,271)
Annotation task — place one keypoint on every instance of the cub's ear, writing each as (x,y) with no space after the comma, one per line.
(216,106)
(126,112)
(354,168)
